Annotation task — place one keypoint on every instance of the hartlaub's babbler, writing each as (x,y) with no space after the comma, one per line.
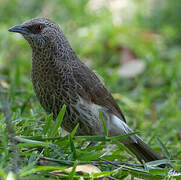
(59,77)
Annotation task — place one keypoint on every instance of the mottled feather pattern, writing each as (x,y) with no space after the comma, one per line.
(59,77)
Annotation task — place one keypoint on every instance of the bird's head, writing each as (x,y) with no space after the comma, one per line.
(39,32)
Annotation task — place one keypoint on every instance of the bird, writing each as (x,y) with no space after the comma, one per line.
(59,77)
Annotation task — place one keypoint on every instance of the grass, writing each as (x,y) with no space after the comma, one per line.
(37,149)
(31,145)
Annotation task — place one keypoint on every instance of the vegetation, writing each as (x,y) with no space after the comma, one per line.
(103,34)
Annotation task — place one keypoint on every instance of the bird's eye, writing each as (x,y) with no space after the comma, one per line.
(39,27)
(35,29)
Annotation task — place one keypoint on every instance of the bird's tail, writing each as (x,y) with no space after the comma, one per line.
(134,143)
(142,150)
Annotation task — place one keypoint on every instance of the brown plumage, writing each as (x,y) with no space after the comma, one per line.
(59,77)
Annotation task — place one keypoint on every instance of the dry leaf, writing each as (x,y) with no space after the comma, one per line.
(4,84)
(86,168)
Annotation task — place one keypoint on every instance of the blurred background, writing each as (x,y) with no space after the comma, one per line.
(135,45)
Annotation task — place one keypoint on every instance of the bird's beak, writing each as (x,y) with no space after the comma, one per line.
(19,29)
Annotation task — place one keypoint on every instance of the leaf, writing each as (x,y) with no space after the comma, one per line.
(158,162)
(4,84)
(74,130)
(93,138)
(58,121)
(104,138)
(73,150)
(29,141)
(34,144)
(86,168)
(27,171)
(2,173)
(48,120)
(101,174)
(122,136)
(73,170)
(164,149)
(88,156)
(158,171)
(37,138)
(103,122)
(138,173)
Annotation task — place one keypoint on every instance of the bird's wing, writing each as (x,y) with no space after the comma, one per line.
(93,89)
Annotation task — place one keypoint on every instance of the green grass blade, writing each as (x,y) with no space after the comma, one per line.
(58,121)
(48,120)
(71,176)
(121,136)
(73,150)
(74,130)
(164,149)
(93,138)
(140,173)
(104,138)
(33,144)
(103,122)
(88,156)
(158,162)
(2,173)
(34,169)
